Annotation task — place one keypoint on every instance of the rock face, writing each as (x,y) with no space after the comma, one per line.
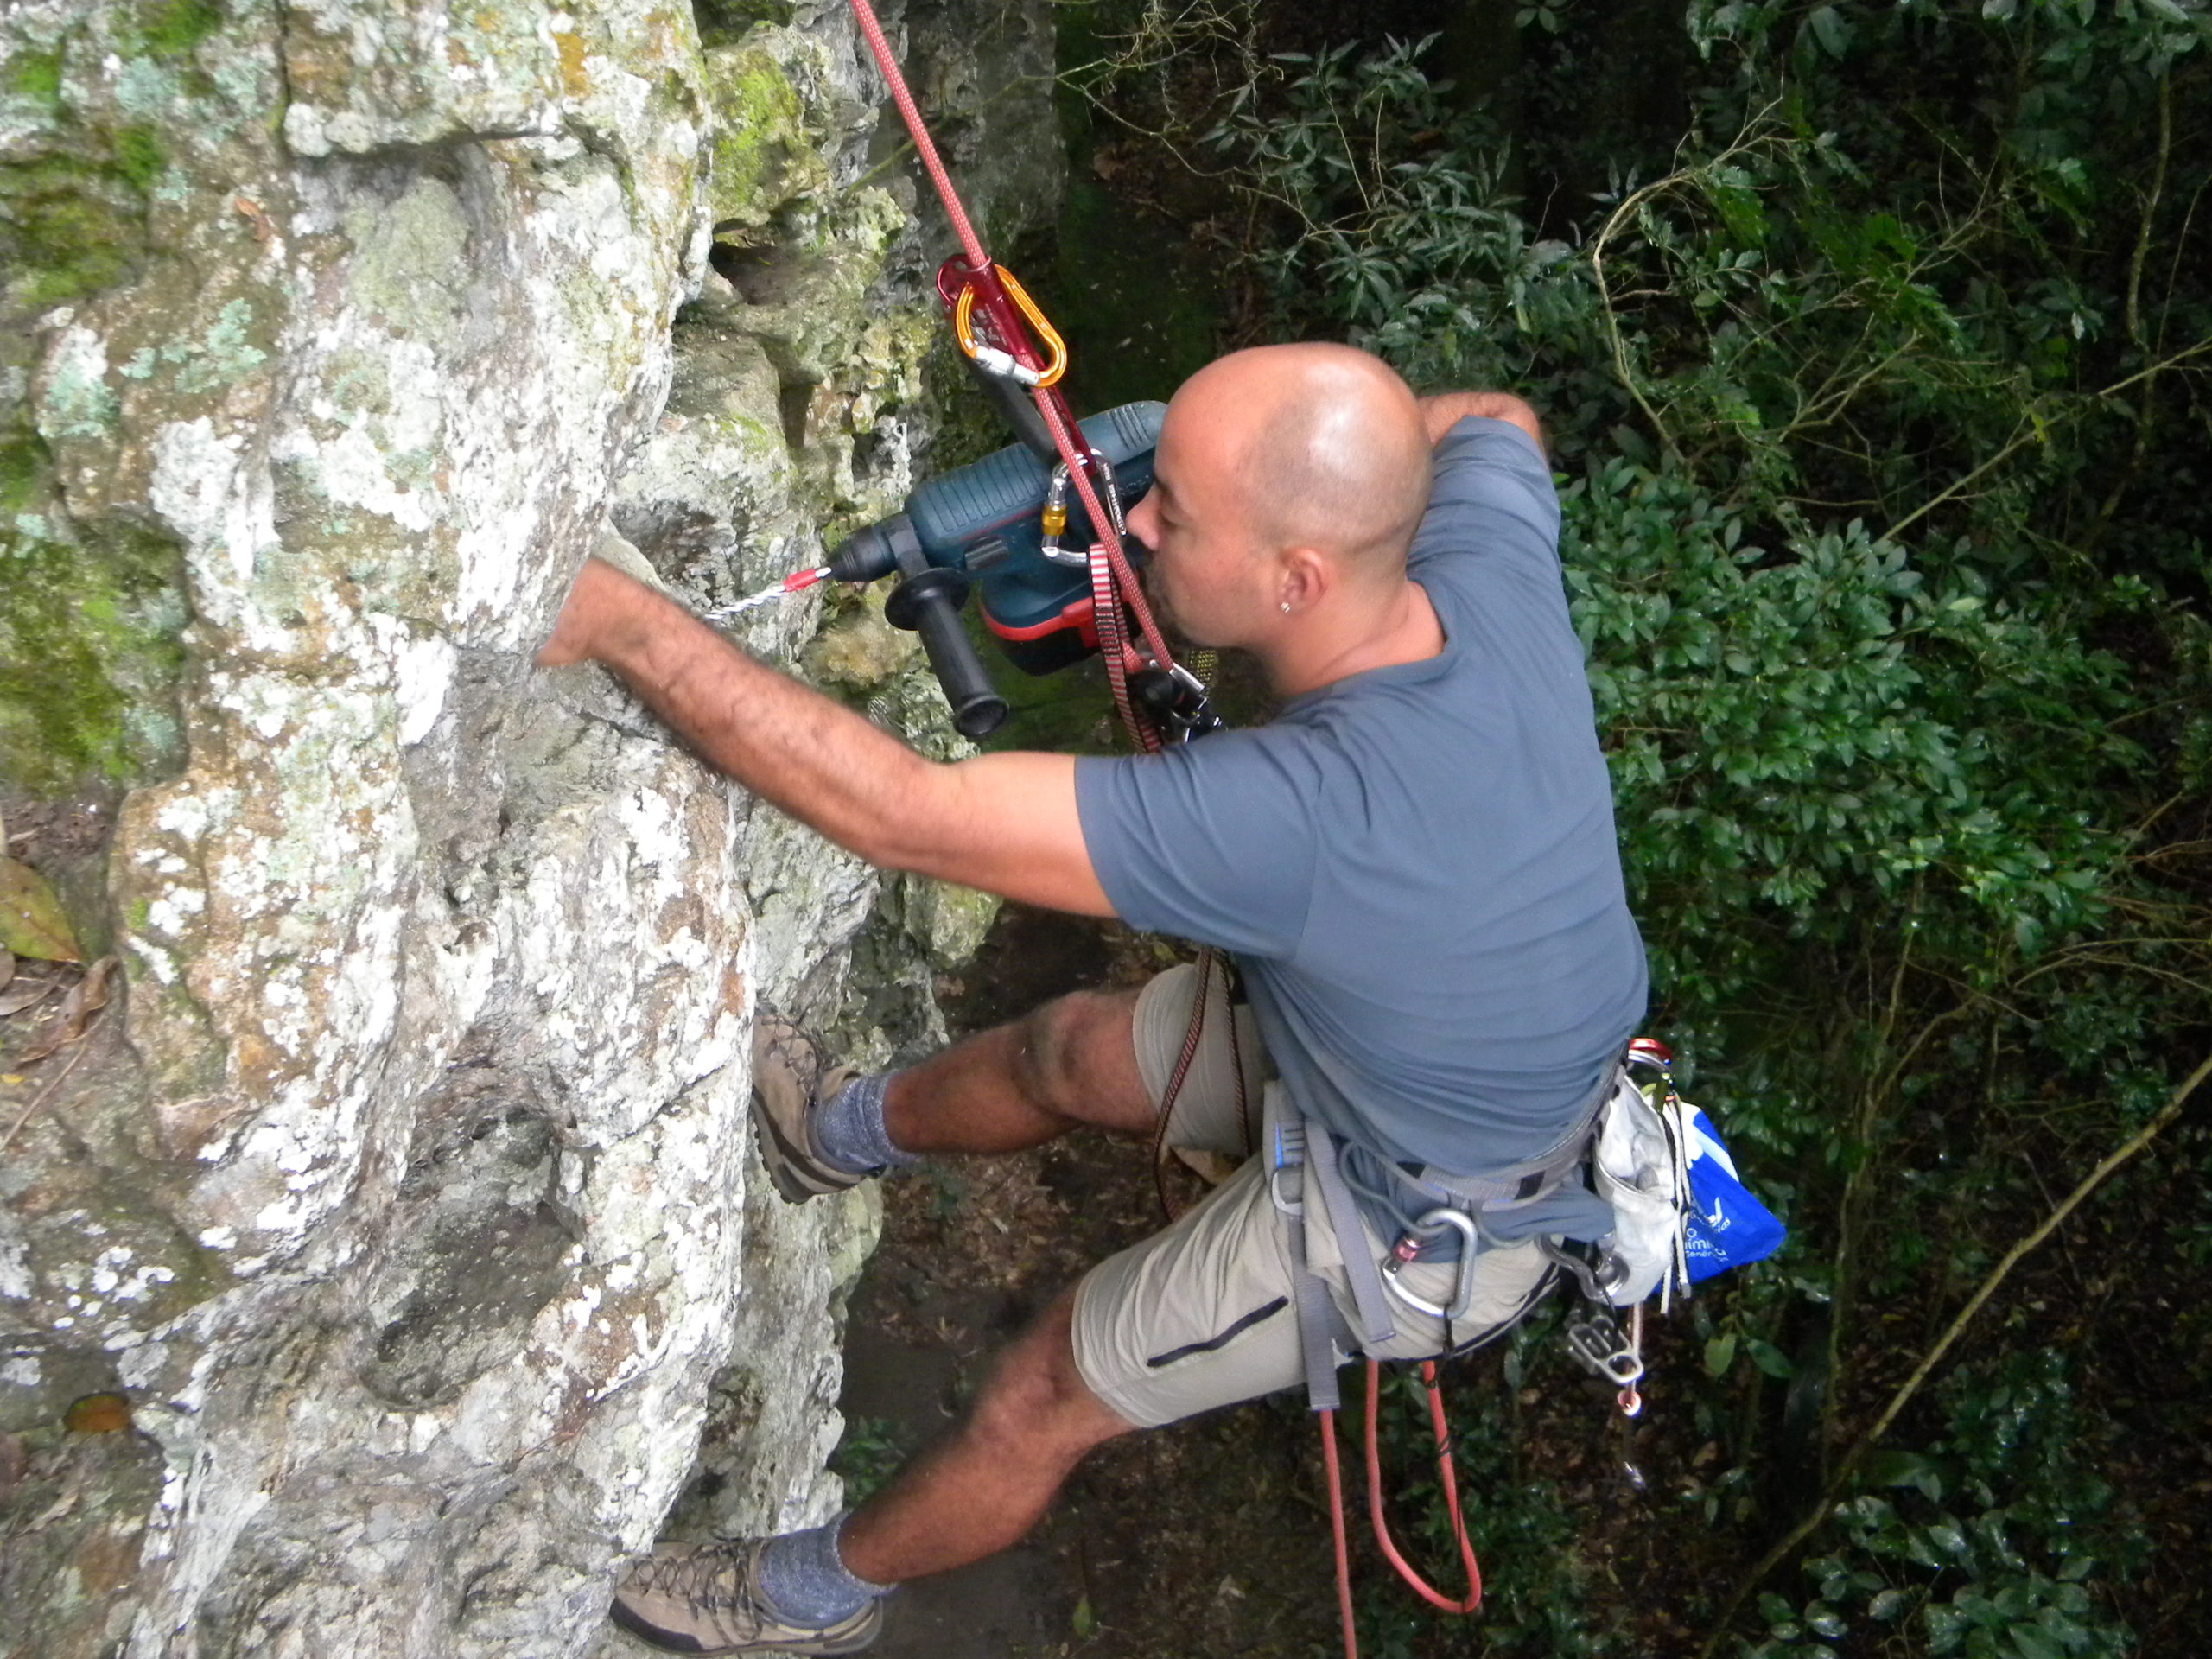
(404,1191)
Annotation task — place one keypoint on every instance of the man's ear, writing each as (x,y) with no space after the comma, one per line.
(1305,576)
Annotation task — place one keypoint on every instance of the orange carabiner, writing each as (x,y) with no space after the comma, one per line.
(963,311)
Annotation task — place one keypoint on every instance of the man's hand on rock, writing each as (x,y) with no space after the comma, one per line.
(605,612)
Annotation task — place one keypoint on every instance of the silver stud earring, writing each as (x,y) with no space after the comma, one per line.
(1285,607)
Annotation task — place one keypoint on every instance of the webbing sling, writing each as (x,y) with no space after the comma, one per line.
(1321,1326)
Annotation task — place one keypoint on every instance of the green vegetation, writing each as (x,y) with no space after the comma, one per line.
(170,29)
(139,156)
(761,154)
(88,643)
(70,227)
(1876,344)
(871,1452)
(721,22)
(36,75)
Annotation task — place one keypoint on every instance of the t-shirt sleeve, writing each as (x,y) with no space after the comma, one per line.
(1211,841)
(1490,499)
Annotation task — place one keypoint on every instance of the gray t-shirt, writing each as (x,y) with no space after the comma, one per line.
(1414,867)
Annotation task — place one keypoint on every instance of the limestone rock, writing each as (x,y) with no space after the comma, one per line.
(405,1194)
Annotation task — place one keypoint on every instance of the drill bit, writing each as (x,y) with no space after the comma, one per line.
(797,582)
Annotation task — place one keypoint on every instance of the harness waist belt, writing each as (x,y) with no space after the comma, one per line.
(1520,1183)
(1291,1144)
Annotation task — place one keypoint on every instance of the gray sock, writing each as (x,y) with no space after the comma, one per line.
(848,1128)
(806,1581)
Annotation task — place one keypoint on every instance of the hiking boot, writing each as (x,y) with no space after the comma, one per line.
(789,1078)
(707,1598)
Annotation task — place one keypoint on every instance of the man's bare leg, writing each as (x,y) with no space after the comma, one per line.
(1072,1062)
(982,1488)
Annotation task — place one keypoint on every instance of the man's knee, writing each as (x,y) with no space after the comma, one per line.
(1078,1059)
(1037,1400)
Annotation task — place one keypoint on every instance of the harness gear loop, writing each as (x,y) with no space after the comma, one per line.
(963,309)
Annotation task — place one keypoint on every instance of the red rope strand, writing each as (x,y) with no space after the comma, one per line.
(971,246)
(1336,1480)
(1421,1586)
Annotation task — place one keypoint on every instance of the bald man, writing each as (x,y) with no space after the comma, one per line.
(1413,869)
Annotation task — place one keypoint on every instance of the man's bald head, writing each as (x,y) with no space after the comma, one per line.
(1325,445)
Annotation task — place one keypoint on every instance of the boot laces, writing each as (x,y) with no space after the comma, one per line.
(796,1051)
(710,1580)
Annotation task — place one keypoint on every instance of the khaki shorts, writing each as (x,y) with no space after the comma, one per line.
(1200,1315)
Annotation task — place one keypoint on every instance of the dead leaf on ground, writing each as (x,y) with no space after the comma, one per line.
(86,998)
(32,921)
(7,967)
(27,994)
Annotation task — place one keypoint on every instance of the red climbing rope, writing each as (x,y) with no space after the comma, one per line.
(970,244)
(1446,1474)
(1342,1545)
(974,275)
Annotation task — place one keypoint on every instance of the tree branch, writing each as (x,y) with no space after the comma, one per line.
(1848,1465)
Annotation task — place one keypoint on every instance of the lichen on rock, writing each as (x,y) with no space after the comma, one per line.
(405,1193)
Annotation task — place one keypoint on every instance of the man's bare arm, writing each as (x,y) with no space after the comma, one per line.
(1003,822)
(1446,409)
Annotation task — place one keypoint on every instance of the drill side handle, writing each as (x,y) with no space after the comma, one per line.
(927,600)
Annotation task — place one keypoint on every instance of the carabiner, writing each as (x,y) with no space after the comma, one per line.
(1463,1282)
(1054,517)
(963,310)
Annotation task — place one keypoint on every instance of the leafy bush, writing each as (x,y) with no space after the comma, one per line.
(1983,1545)
(1878,407)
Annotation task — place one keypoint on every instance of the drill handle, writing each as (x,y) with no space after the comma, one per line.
(927,600)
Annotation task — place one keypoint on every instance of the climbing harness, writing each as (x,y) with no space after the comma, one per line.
(1676,1213)
(1302,1162)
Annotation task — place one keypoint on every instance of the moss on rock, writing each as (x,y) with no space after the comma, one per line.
(71,226)
(761,154)
(170,29)
(89,647)
(721,22)
(34,75)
